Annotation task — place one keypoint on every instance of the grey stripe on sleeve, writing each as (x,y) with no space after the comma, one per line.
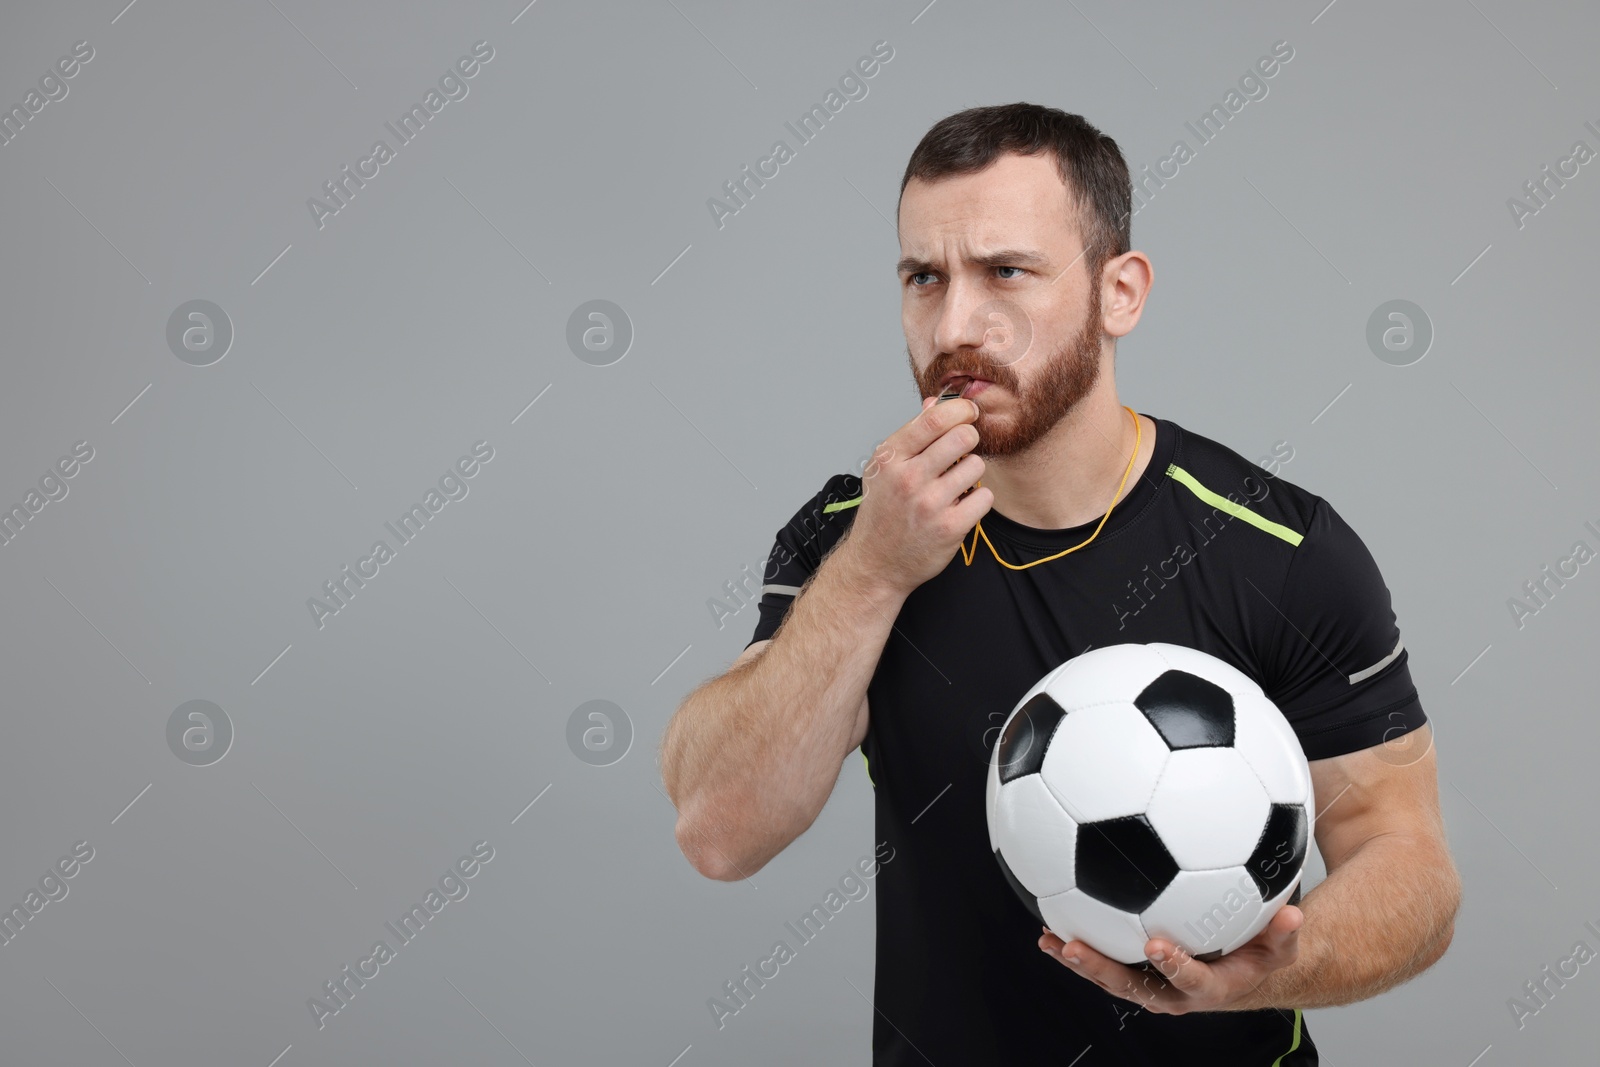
(1368,672)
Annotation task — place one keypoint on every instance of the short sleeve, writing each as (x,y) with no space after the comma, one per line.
(799,548)
(1339,667)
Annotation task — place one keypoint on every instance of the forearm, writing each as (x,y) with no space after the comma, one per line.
(751,757)
(1385,915)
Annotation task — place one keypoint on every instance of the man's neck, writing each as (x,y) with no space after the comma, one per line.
(1070,475)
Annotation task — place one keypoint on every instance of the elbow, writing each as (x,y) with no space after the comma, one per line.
(708,852)
(1445,930)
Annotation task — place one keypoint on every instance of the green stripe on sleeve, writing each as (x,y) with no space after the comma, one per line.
(1293,1045)
(840,505)
(1222,503)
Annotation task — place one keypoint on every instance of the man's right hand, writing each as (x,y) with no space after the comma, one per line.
(912,516)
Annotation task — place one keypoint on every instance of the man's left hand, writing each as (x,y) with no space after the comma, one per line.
(1179,983)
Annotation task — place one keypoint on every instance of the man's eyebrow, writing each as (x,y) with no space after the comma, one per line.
(1003,257)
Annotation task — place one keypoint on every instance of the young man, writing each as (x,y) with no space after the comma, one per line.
(997,535)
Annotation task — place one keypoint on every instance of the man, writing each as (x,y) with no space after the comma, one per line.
(990,539)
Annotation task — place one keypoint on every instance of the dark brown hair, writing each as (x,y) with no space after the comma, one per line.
(1090,164)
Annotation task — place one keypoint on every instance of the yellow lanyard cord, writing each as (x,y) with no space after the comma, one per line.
(1138,437)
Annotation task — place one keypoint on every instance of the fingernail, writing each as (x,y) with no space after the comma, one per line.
(1158,955)
(1072,960)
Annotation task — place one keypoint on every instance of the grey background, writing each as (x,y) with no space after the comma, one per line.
(427,315)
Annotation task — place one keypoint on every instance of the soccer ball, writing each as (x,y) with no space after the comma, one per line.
(1149,790)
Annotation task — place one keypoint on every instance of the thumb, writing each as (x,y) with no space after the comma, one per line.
(927,401)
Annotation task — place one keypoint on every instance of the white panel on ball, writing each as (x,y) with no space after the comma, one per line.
(991,787)
(1205,911)
(1092,786)
(1115,672)
(1037,838)
(1110,931)
(1268,743)
(1225,829)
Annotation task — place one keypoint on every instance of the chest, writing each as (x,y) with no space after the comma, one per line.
(968,644)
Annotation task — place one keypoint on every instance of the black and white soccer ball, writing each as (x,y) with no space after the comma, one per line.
(1150,790)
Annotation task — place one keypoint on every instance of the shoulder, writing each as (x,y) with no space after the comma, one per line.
(824,518)
(1213,477)
(837,500)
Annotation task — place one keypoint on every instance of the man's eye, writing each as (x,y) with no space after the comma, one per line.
(1012,268)
(923,274)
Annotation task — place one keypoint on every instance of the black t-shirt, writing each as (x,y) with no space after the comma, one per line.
(1206,550)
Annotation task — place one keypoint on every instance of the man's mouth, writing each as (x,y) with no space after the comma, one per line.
(955,385)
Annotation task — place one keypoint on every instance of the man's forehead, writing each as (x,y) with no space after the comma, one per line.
(1016,204)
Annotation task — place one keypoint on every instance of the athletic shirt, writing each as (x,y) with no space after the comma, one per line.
(1206,550)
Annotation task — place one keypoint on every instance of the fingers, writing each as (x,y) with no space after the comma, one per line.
(1281,938)
(1115,978)
(1178,983)
(933,422)
(941,454)
(1186,974)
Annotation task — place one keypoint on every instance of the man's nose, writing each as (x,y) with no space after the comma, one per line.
(960,326)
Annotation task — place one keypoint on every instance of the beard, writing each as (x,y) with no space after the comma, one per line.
(1039,402)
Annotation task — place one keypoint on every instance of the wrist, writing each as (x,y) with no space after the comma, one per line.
(864,577)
